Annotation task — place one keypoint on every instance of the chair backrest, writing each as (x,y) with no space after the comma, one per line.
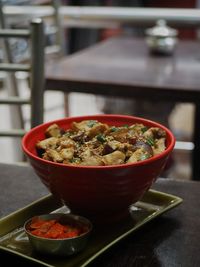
(55,39)
(35,34)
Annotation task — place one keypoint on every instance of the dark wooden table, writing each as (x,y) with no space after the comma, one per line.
(123,67)
(169,240)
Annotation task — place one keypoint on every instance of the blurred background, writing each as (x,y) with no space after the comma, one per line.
(75,37)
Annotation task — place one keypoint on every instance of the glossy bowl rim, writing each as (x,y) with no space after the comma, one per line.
(89,224)
(118,166)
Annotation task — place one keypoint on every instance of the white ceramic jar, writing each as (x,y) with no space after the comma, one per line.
(161,39)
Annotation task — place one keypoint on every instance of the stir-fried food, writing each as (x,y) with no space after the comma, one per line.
(93,143)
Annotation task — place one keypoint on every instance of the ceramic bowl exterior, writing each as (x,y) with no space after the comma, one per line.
(97,192)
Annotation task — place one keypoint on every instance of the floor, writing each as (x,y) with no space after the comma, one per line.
(83,104)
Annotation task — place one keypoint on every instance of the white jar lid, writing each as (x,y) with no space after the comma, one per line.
(161,30)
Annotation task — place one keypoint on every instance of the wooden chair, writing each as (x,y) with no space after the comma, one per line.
(35,68)
(55,43)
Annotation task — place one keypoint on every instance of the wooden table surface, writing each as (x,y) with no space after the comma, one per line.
(169,240)
(123,66)
(126,65)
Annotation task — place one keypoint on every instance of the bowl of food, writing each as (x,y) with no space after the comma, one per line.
(58,234)
(99,165)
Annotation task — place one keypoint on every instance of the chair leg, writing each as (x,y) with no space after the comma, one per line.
(66,104)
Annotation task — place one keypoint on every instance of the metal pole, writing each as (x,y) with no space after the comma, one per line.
(136,16)
(60,39)
(37,72)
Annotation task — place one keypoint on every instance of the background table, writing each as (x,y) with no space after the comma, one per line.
(169,240)
(122,66)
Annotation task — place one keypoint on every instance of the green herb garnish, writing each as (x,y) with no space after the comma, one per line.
(150,141)
(114,129)
(91,123)
(74,160)
(125,125)
(101,138)
(144,156)
(144,129)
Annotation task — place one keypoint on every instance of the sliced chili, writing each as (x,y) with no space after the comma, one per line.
(54,229)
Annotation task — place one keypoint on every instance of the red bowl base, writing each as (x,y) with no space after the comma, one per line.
(101,219)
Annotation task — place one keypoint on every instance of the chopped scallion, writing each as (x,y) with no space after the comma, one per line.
(144,129)
(91,123)
(150,141)
(101,138)
(114,129)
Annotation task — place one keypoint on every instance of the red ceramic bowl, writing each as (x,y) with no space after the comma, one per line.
(101,193)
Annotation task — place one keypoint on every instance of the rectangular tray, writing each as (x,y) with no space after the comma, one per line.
(14,241)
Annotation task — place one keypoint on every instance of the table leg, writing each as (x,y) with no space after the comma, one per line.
(196,139)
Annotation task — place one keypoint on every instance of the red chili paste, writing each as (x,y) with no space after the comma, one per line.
(54,229)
